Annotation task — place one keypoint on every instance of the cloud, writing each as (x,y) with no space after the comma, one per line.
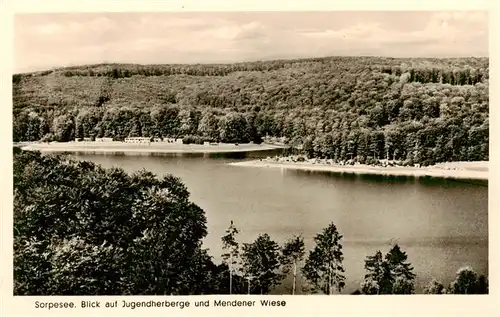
(56,40)
(49,29)
(444,34)
(357,32)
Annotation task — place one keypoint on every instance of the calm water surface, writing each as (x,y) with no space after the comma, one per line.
(441,224)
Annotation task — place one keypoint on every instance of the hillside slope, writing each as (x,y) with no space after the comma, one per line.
(418,110)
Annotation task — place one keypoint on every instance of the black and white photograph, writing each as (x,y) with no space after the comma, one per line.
(301,153)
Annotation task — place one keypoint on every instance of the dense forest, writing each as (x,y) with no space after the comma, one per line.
(80,229)
(345,108)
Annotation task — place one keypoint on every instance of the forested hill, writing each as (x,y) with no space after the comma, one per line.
(418,110)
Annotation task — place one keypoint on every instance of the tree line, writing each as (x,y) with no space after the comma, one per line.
(263,264)
(414,110)
(458,70)
(80,229)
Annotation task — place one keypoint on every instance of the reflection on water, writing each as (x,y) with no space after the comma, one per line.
(353,176)
(425,180)
(441,223)
(211,155)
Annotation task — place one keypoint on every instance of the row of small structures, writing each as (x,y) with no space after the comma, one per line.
(139,140)
(276,141)
(132,140)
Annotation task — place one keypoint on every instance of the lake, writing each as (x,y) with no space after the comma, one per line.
(441,224)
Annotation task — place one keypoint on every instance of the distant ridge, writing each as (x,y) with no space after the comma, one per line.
(379,59)
(418,111)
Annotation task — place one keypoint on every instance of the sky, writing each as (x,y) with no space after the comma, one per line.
(43,41)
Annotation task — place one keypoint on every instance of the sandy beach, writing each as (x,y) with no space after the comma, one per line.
(160,147)
(457,170)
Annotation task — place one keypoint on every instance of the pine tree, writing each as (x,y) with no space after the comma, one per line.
(231,246)
(374,265)
(396,258)
(323,267)
(291,254)
(391,274)
(261,263)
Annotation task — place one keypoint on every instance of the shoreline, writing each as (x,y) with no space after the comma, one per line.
(455,170)
(442,170)
(115,147)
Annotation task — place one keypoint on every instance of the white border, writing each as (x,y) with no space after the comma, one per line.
(30,6)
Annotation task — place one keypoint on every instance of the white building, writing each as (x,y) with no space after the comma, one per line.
(138,140)
(83,140)
(103,139)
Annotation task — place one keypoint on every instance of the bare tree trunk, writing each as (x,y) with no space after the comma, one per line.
(330,282)
(230,273)
(294,277)
(248,285)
